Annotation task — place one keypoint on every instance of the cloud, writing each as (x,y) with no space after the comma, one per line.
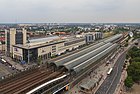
(69,11)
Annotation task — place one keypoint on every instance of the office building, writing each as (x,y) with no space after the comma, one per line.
(14,36)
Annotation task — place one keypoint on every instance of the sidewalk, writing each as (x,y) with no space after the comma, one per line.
(14,64)
(120,86)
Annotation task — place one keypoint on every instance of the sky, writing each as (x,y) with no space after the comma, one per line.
(69,11)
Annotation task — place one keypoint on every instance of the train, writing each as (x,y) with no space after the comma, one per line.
(48,84)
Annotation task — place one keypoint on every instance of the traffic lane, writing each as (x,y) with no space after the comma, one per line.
(118,65)
(8,67)
(3,71)
(117,79)
(6,70)
(106,84)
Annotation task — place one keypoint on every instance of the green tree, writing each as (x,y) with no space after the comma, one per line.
(136,59)
(134,71)
(39,60)
(129,82)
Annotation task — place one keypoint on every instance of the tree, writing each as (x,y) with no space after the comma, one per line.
(134,71)
(39,60)
(129,82)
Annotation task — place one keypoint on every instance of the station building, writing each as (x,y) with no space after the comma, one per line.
(31,50)
(45,48)
(14,36)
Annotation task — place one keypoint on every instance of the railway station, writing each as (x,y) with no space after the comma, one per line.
(45,48)
(76,62)
(74,66)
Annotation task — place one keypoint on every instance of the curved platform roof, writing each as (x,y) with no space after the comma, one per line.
(69,65)
(60,62)
(75,59)
(92,60)
(113,38)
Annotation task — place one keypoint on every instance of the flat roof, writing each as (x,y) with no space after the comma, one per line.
(60,62)
(28,46)
(47,39)
(71,64)
(89,84)
(42,42)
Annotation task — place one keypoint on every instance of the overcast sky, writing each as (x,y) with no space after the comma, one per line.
(93,11)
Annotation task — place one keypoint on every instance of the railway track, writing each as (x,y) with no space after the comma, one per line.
(17,77)
(28,83)
(20,80)
(41,81)
(25,83)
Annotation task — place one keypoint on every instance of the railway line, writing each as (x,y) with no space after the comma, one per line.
(28,81)
(37,81)
(16,84)
(36,78)
(22,79)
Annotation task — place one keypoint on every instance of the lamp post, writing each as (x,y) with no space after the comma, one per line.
(28,53)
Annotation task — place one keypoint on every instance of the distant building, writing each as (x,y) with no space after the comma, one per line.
(92,36)
(14,36)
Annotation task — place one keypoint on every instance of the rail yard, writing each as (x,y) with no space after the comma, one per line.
(61,71)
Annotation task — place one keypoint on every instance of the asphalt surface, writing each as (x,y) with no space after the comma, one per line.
(5,69)
(110,83)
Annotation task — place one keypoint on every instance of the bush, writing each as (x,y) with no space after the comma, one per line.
(129,82)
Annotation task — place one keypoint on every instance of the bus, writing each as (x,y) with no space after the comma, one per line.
(3,60)
(110,70)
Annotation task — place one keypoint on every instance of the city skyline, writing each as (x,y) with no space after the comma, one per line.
(69,11)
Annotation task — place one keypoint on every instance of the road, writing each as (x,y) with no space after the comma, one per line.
(6,70)
(110,83)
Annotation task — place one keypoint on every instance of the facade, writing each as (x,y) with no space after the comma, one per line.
(72,44)
(2,47)
(47,48)
(14,36)
(91,37)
